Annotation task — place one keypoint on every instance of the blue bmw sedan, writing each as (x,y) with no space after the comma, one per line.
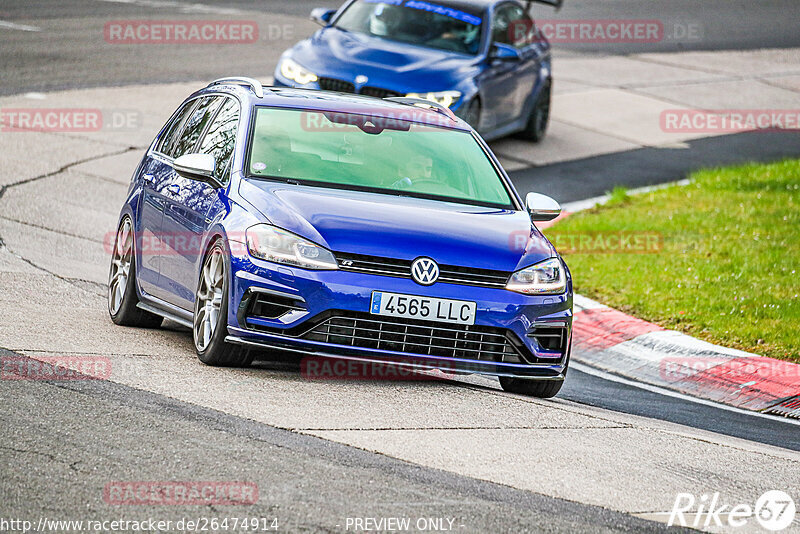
(484,59)
(341,226)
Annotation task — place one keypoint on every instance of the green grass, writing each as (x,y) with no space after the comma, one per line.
(618,196)
(728,269)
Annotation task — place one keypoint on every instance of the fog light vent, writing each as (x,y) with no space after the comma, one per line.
(550,337)
(269,306)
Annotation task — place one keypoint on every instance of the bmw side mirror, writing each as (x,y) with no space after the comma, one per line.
(198,167)
(322,16)
(541,207)
(504,52)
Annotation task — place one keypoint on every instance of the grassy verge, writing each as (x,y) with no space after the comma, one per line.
(726,266)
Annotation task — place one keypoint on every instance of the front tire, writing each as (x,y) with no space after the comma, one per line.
(122,297)
(543,389)
(210,323)
(539,117)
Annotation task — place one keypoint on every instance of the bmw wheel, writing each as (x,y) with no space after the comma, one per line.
(122,297)
(211,312)
(539,116)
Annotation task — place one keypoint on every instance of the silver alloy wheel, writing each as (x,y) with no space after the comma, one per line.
(120,266)
(209,299)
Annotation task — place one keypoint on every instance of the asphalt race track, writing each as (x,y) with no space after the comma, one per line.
(325,451)
(66,52)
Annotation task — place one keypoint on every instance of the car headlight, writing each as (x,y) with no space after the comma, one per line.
(270,243)
(545,278)
(445,98)
(292,70)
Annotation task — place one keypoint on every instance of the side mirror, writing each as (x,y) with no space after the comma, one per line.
(503,52)
(198,167)
(541,207)
(322,16)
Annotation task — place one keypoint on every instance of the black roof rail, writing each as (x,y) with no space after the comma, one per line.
(253,84)
(413,101)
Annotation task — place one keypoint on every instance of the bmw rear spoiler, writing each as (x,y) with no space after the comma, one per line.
(555,3)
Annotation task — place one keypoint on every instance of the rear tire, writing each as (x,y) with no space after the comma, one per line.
(122,297)
(536,128)
(543,389)
(210,323)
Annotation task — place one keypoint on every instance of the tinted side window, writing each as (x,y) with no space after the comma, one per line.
(168,138)
(194,126)
(512,26)
(220,140)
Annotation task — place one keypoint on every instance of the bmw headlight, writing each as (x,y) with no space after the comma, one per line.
(445,98)
(270,243)
(545,278)
(292,70)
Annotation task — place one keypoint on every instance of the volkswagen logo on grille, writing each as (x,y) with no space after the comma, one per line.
(424,271)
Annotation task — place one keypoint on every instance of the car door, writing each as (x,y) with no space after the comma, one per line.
(525,38)
(504,81)
(154,175)
(186,216)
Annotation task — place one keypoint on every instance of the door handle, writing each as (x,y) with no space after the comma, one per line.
(149,179)
(174,189)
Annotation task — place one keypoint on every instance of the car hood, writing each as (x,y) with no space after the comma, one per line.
(387,64)
(401,227)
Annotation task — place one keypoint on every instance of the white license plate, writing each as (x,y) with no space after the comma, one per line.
(425,308)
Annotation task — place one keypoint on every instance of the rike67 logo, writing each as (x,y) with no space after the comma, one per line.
(774,511)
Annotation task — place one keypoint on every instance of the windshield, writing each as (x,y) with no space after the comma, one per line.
(416,22)
(391,156)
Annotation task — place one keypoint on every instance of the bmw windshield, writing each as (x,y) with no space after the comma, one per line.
(370,153)
(416,22)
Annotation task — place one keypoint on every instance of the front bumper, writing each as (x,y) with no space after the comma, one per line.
(326,313)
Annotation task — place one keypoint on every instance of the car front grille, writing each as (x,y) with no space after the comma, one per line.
(341,86)
(332,84)
(470,342)
(402,269)
(378,92)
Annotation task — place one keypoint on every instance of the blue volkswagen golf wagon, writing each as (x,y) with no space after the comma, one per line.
(342,226)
